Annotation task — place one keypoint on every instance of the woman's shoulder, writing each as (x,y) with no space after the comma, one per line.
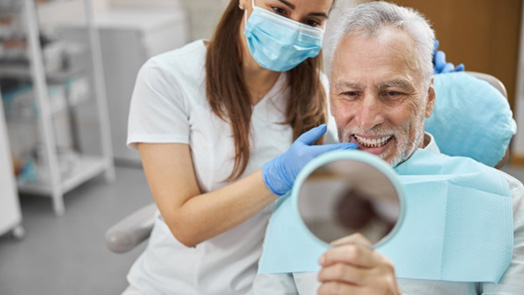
(187,61)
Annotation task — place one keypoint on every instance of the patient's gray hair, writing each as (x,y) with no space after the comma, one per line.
(369,19)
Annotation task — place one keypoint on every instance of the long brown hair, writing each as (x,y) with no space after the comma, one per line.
(230,100)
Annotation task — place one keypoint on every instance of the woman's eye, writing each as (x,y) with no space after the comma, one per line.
(312,23)
(279,10)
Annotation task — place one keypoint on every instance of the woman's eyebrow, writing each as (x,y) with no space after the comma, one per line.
(292,6)
(318,14)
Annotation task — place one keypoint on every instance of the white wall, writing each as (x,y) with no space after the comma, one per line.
(100,4)
(58,12)
(204,16)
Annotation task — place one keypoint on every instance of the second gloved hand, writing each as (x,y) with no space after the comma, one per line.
(280,173)
(440,66)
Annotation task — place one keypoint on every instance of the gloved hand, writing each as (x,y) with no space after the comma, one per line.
(280,173)
(440,65)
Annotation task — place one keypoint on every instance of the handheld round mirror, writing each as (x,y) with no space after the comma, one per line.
(351,192)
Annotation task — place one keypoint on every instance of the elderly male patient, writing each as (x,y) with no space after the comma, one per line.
(381,90)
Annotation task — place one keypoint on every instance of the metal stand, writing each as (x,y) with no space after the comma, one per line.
(88,166)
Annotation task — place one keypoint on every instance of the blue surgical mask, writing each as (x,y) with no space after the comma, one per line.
(278,43)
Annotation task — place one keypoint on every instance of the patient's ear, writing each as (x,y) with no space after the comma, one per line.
(430,103)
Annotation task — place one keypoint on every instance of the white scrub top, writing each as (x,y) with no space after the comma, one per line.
(169,105)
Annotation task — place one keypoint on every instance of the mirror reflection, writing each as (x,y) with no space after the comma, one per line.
(346,197)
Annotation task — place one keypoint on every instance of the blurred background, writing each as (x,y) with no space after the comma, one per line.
(67,71)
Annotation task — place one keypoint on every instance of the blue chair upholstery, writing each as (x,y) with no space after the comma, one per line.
(471,118)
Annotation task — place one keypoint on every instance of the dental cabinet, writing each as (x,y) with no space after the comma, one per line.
(129,36)
(49,83)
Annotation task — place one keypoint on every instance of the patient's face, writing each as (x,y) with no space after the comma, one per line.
(378,98)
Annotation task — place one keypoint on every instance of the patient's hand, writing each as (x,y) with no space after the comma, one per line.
(352,267)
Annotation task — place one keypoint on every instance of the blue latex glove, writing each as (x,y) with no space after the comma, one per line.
(440,64)
(280,173)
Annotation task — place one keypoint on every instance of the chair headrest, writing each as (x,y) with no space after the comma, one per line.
(471,118)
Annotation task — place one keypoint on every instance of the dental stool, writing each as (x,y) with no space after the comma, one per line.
(480,93)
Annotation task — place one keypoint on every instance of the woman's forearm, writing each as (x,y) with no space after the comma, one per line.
(207,215)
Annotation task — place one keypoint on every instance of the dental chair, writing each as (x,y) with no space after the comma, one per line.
(134,229)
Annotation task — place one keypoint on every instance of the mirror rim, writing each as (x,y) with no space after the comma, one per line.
(352,155)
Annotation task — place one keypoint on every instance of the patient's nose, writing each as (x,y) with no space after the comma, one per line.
(370,113)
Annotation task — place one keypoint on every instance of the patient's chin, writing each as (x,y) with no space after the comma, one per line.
(395,161)
(400,157)
(390,154)
(393,157)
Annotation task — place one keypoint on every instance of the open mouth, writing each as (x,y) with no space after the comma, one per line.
(372,142)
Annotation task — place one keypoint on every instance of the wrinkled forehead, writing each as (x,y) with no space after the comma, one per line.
(360,58)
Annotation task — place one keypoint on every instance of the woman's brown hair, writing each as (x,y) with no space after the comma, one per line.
(230,100)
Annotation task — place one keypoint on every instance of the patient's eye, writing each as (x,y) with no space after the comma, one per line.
(351,94)
(392,94)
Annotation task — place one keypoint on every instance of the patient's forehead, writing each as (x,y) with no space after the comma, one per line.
(362,59)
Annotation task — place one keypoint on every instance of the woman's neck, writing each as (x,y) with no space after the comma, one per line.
(259,81)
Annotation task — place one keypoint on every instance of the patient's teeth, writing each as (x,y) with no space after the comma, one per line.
(374,142)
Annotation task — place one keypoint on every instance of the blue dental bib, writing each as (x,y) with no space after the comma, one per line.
(458,223)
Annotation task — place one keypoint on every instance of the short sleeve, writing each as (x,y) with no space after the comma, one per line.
(158,112)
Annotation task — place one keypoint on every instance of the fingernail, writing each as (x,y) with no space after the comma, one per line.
(321,260)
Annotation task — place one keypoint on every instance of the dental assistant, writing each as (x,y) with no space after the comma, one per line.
(223,127)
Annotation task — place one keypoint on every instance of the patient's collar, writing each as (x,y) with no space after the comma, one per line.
(430,144)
